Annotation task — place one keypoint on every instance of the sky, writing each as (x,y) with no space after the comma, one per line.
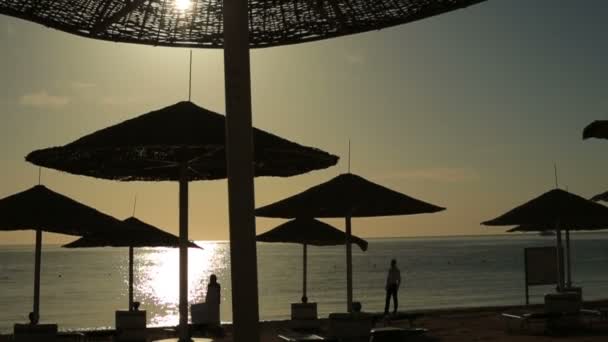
(468,110)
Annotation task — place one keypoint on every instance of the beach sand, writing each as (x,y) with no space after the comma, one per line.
(457,325)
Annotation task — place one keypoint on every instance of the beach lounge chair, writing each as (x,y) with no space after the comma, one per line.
(35,332)
(387,320)
(294,336)
(392,334)
(304,316)
(131,326)
(561,311)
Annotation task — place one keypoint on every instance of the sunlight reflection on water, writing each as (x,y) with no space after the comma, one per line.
(157,278)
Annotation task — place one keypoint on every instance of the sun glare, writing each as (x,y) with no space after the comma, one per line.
(182,5)
(158,274)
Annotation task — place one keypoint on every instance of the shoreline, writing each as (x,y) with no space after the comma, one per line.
(445,324)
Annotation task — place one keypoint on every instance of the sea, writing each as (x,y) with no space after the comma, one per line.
(81,288)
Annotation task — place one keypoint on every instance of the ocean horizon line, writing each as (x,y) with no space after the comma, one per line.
(374,238)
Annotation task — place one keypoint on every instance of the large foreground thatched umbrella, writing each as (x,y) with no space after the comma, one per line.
(234,26)
(308,231)
(347,195)
(42,209)
(557,208)
(140,234)
(182,142)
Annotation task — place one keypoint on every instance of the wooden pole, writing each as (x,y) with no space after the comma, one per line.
(526,276)
(568,254)
(37,263)
(304,296)
(239,158)
(183,253)
(560,260)
(349,268)
(130,278)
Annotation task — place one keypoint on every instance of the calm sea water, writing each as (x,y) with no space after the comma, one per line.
(82,288)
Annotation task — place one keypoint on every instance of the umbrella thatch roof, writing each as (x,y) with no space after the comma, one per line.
(596,129)
(309,231)
(546,227)
(151,146)
(552,207)
(600,197)
(46,210)
(346,195)
(139,234)
(201,23)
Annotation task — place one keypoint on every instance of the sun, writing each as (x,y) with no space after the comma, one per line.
(182,5)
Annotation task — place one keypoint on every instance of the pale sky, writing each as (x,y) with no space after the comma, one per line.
(468,110)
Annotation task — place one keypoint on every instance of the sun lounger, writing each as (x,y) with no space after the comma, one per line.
(304,316)
(595,315)
(387,320)
(601,313)
(302,337)
(562,311)
(392,334)
(131,326)
(71,336)
(526,320)
(35,332)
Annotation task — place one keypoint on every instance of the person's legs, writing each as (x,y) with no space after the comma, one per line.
(387,301)
(395,301)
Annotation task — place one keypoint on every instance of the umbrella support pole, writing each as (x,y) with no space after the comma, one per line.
(184,334)
(560,260)
(37,262)
(130,278)
(349,268)
(239,160)
(304,297)
(568,254)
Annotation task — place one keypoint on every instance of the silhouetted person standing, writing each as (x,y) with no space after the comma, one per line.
(393,280)
(213,291)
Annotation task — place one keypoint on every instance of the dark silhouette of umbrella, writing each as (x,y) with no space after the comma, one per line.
(152,146)
(308,231)
(201,24)
(140,234)
(347,195)
(596,129)
(181,142)
(557,208)
(234,26)
(42,209)
(603,197)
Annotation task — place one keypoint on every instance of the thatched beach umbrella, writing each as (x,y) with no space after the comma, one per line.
(140,234)
(347,195)
(557,208)
(308,231)
(234,26)
(42,209)
(596,129)
(182,142)
(603,197)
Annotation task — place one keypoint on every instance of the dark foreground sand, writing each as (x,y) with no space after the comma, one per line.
(458,325)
